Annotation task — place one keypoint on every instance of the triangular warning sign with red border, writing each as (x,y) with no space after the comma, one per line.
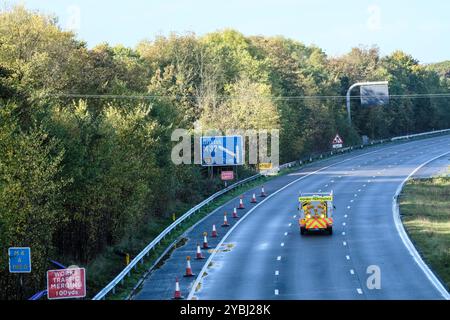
(338,140)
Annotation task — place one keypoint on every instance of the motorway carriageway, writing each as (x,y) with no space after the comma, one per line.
(264,257)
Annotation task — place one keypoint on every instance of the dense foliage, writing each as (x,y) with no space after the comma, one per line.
(80,173)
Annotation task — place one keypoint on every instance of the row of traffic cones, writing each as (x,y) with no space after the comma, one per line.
(214,234)
(263,195)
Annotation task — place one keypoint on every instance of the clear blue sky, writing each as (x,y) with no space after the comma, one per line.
(421,28)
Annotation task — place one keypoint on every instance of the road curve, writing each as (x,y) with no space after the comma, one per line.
(264,257)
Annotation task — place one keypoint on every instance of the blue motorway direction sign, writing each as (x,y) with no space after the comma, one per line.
(19,260)
(222,151)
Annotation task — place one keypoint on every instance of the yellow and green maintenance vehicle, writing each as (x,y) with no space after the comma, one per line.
(316,212)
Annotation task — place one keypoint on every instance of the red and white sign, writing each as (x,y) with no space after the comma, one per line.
(227,175)
(337,142)
(66,283)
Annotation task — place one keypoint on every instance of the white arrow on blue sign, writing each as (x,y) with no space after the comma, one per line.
(222,151)
(19,260)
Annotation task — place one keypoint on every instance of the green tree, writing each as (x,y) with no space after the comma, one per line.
(30,199)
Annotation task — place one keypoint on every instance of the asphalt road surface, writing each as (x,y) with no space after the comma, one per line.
(264,256)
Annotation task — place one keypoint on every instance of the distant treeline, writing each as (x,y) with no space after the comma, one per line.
(78,175)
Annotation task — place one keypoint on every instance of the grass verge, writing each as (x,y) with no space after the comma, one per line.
(425,210)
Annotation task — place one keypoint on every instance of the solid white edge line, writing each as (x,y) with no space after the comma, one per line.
(205,266)
(407,241)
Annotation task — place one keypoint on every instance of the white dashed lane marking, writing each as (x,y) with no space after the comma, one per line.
(347,257)
(277,273)
(359,291)
(352,271)
(278,258)
(277,292)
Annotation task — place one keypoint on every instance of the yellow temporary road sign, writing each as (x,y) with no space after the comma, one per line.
(315,198)
(265,166)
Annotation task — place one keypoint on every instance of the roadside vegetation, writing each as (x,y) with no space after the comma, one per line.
(85,168)
(425,210)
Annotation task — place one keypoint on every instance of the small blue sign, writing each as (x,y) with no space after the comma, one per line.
(19,260)
(222,151)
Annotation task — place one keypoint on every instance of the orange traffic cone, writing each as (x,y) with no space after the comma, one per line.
(241,203)
(235,215)
(188,267)
(263,192)
(254,199)
(214,232)
(177,295)
(225,220)
(205,240)
(199,253)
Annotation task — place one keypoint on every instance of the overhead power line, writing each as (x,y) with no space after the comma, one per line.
(272,97)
